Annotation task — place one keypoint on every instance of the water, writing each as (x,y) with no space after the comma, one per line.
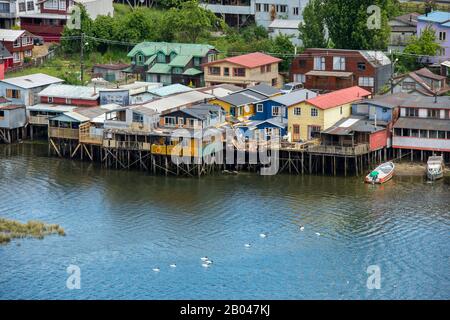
(122,224)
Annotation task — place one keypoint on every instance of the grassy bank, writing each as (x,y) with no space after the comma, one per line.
(419,7)
(10,229)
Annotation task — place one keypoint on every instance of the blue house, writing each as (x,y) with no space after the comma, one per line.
(381,109)
(264,129)
(277,107)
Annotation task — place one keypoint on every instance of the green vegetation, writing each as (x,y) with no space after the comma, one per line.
(420,7)
(10,229)
(347,23)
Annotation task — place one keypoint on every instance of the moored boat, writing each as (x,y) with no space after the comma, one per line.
(381,174)
(435,167)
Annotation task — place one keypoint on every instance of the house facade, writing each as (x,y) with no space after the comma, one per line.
(287,28)
(47,18)
(19,44)
(8,14)
(239,13)
(440,22)
(171,63)
(244,70)
(24,90)
(307,119)
(200,116)
(423,124)
(327,70)
(402,29)
(64,94)
(423,82)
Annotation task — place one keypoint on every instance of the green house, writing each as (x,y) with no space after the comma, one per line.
(171,63)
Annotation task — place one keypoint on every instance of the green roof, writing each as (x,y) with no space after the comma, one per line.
(192,72)
(150,60)
(180,61)
(184,49)
(160,68)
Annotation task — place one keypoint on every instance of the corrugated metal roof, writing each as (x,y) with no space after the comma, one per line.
(419,101)
(160,68)
(348,126)
(70,92)
(250,60)
(329,73)
(264,89)
(423,123)
(170,89)
(151,48)
(242,98)
(32,80)
(436,17)
(192,72)
(177,100)
(10,35)
(4,53)
(294,97)
(180,61)
(339,97)
(50,108)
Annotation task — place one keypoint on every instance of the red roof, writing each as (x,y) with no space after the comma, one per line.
(339,97)
(250,60)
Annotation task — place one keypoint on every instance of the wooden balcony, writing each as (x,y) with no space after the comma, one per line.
(127,145)
(340,150)
(63,133)
(38,120)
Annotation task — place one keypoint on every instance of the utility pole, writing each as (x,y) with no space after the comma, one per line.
(82,59)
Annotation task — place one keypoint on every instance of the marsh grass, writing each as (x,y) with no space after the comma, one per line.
(10,229)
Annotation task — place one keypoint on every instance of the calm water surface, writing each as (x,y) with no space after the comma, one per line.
(121,224)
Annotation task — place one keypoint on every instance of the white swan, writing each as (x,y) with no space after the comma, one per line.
(208,261)
(317,233)
(205,265)
(173,265)
(156,269)
(263,235)
(302,228)
(247,245)
(204,258)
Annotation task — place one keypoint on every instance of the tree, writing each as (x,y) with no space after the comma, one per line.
(312,30)
(69,41)
(190,21)
(424,45)
(282,44)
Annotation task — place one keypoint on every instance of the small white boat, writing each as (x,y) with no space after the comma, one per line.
(384,172)
(435,167)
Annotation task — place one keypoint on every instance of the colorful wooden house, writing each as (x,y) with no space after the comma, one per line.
(244,70)
(264,129)
(307,119)
(65,94)
(12,120)
(277,106)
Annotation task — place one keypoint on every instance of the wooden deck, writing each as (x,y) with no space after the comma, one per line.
(339,150)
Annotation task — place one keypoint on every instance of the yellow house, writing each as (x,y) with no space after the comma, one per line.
(307,119)
(244,70)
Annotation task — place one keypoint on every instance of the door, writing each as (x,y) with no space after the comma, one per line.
(296,132)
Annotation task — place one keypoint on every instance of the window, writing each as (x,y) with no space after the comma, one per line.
(314,131)
(192,122)
(50,99)
(365,81)
(281,8)
(433,113)
(215,71)
(68,101)
(239,72)
(442,35)
(259,107)
(258,7)
(169,121)
(299,78)
(441,134)
(177,70)
(297,111)
(2,113)
(196,61)
(295,11)
(51,4)
(361,66)
(408,85)
(266,7)
(302,63)
(274,82)
(412,112)
(16,43)
(28,53)
(226,71)
(30,5)
(432,134)
(140,59)
(12,93)
(338,63)
(314,112)
(16,57)
(276,111)
(4,7)
(423,134)
(161,57)
(414,133)
(319,63)
(22,6)
(137,117)
(180,121)
(268,68)
(340,111)
(263,69)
